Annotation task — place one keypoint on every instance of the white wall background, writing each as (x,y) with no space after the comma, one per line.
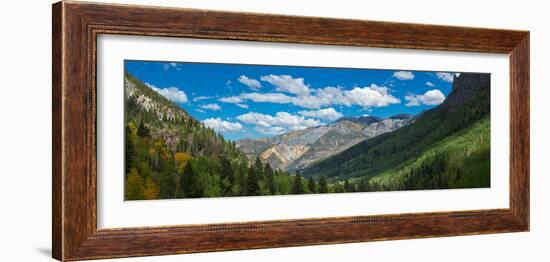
(25,136)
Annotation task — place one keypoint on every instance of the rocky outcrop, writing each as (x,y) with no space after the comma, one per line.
(298,149)
(152,102)
(465,87)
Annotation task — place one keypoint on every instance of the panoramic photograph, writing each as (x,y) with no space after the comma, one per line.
(201,130)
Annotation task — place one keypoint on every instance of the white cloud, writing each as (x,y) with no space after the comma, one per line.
(222,126)
(273,130)
(200,98)
(250,82)
(282,121)
(214,107)
(278,98)
(171,93)
(412,100)
(371,96)
(447,77)
(324,114)
(432,97)
(430,84)
(286,83)
(231,100)
(403,75)
(168,66)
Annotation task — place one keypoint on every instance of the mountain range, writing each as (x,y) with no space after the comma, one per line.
(296,150)
(170,154)
(445,147)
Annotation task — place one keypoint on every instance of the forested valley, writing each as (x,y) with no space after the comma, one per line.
(169,154)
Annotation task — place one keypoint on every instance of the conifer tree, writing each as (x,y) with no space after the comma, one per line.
(339,188)
(312,186)
(298,186)
(270,180)
(227,177)
(259,169)
(129,150)
(364,186)
(167,185)
(142,131)
(323,187)
(458,174)
(252,185)
(189,186)
(348,187)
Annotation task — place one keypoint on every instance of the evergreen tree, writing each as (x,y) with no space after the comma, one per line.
(339,188)
(298,186)
(458,174)
(259,168)
(167,185)
(323,187)
(252,185)
(364,186)
(143,131)
(270,180)
(348,187)
(227,177)
(311,185)
(189,186)
(241,178)
(129,150)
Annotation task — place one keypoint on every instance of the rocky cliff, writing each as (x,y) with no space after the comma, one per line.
(296,150)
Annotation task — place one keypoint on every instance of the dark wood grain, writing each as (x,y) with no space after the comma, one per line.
(519,129)
(57,195)
(76,26)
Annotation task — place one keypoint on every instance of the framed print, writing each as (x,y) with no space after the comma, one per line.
(181,130)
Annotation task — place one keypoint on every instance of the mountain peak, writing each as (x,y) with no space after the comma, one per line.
(364,120)
(401,116)
(298,149)
(466,86)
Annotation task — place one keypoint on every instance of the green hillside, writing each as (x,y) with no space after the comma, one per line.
(169,154)
(459,161)
(468,103)
(161,140)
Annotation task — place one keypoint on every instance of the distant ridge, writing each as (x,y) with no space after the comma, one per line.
(402,155)
(298,149)
(365,120)
(402,116)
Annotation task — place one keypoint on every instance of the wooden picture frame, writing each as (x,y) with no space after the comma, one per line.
(76,26)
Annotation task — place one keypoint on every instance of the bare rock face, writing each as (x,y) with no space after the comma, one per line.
(465,87)
(162,111)
(298,149)
(385,126)
(285,154)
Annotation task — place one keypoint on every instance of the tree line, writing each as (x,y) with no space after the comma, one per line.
(154,171)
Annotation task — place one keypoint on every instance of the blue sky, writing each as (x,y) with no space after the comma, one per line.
(251,101)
